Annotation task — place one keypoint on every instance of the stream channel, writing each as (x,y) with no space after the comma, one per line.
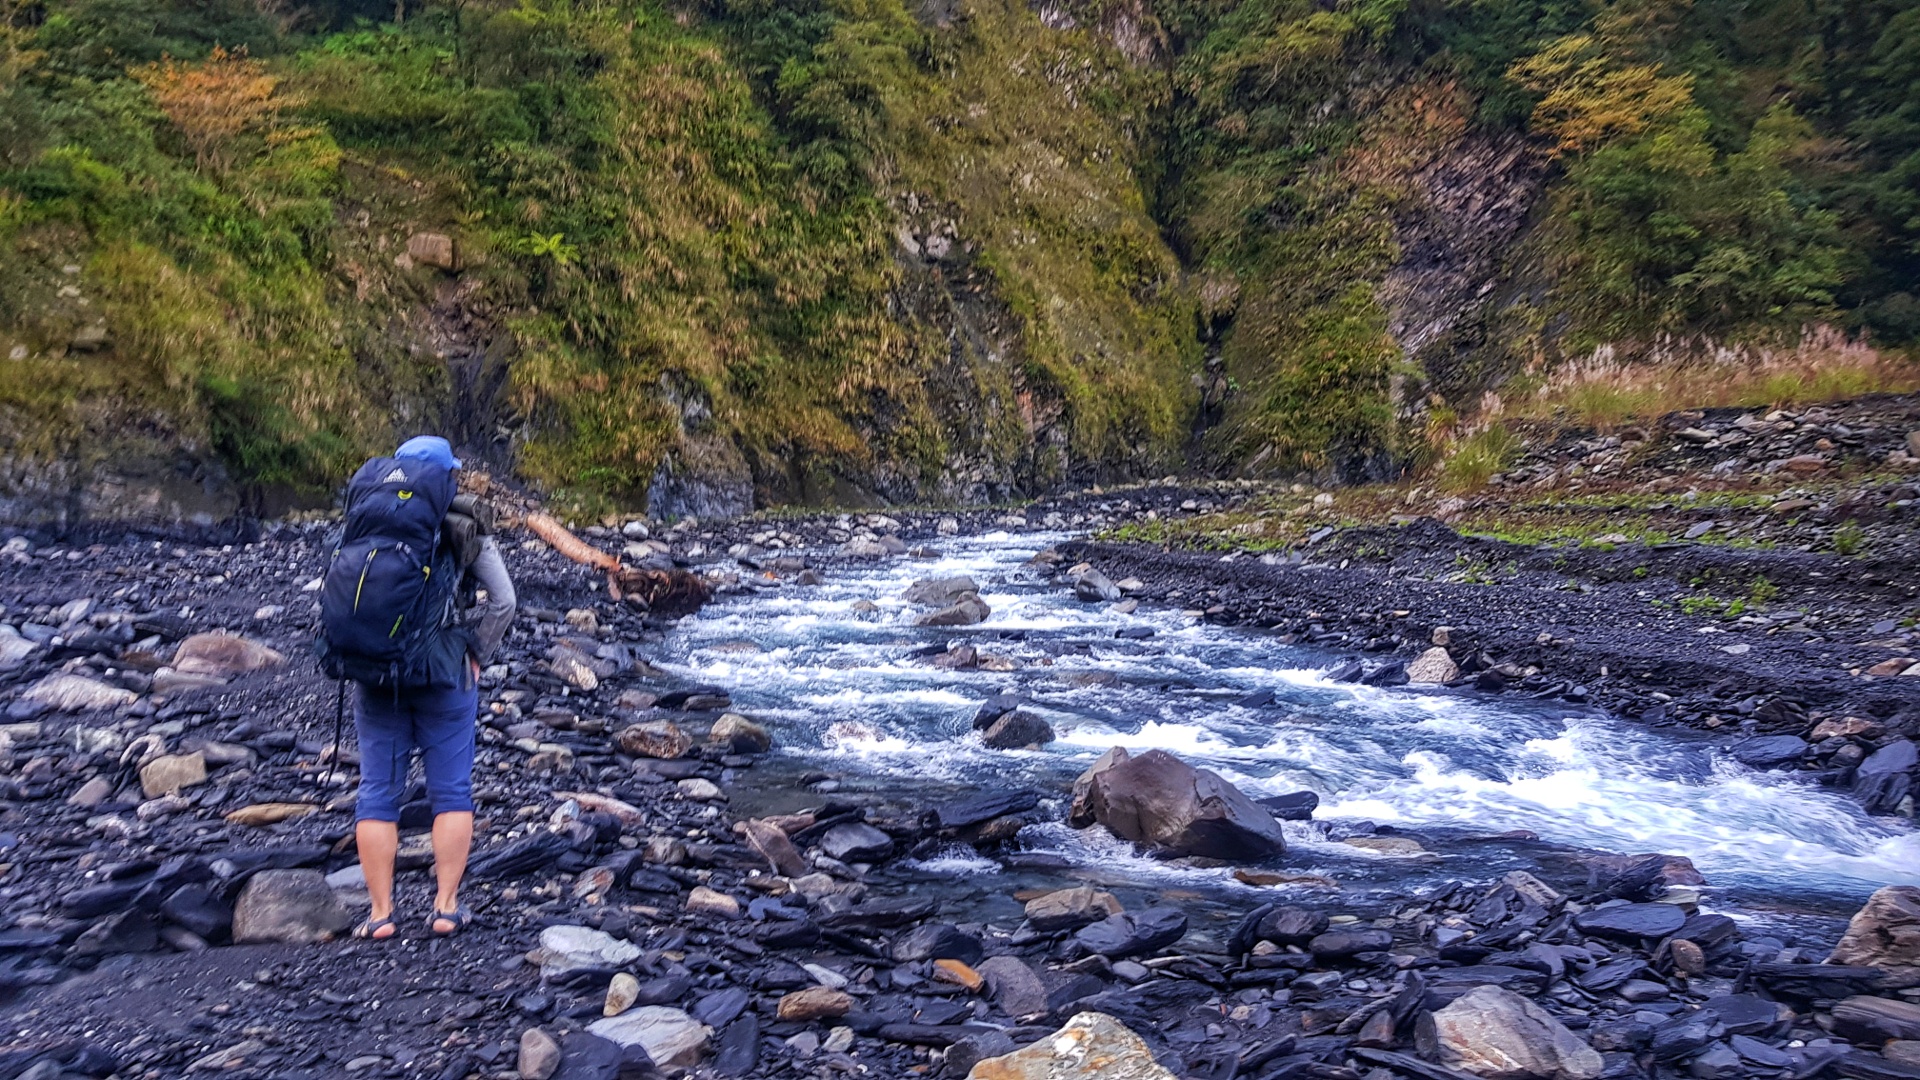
(858,711)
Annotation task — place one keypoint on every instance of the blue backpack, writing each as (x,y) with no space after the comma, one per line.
(387,600)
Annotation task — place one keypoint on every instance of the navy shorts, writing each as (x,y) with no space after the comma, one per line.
(437,723)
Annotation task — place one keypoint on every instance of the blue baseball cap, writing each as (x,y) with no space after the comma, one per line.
(429,448)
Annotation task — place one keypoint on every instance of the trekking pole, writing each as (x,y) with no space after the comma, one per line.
(339,727)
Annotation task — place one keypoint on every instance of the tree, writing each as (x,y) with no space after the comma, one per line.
(216,102)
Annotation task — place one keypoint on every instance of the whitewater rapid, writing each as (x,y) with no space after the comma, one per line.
(852,691)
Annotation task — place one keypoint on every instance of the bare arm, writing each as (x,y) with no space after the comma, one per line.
(490,571)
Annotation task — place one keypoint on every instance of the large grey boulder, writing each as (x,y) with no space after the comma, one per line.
(939,592)
(1500,1035)
(290,906)
(1157,800)
(965,611)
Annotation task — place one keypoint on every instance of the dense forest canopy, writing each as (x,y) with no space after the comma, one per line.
(869,249)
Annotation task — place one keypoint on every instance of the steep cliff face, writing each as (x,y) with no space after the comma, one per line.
(701,258)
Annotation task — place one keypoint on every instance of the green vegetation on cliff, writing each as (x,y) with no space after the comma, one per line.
(954,249)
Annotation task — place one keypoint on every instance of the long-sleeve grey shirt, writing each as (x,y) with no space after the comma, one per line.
(495,613)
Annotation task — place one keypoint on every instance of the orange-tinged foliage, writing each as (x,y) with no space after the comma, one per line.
(1590,100)
(215,101)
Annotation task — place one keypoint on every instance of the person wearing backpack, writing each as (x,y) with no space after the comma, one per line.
(411,551)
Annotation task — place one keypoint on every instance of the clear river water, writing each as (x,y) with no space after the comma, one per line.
(852,696)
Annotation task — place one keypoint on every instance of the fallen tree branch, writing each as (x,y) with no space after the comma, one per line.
(564,542)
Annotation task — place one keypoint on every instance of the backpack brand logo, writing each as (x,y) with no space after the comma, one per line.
(397,476)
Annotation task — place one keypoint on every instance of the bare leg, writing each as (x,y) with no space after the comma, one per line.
(378,841)
(452,839)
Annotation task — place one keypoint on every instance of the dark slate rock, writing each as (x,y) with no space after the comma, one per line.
(1292,926)
(855,841)
(1759,1053)
(738,1053)
(197,908)
(1631,921)
(883,914)
(1745,1014)
(937,941)
(1771,752)
(1297,806)
(984,807)
(719,1008)
(993,709)
(1133,933)
(1445,984)
(1681,1037)
(1347,942)
(965,1053)
(585,1056)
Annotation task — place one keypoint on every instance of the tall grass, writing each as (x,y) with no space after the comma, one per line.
(1610,388)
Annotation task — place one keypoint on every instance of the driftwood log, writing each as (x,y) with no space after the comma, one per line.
(666,592)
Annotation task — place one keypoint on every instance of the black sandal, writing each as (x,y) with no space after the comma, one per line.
(461,918)
(369,930)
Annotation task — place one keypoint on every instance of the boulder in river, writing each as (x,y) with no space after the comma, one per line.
(740,735)
(1885,932)
(1095,587)
(1016,730)
(1500,1035)
(1432,667)
(1091,1046)
(1070,909)
(1771,751)
(289,906)
(1159,801)
(965,611)
(939,592)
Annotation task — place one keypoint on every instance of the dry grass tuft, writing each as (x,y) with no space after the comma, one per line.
(1607,389)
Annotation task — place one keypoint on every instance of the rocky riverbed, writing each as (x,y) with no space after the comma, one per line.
(677,871)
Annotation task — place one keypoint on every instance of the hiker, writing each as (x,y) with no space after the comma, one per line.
(405,569)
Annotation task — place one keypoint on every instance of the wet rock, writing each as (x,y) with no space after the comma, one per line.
(936,941)
(1016,730)
(982,808)
(221,655)
(1498,1034)
(1290,926)
(201,910)
(1746,1014)
(1875,1020)
(1335,944)
(854,841)
(993,709)
(1771,752)
(1885,932)
(1885,779)
(1095,587)
(772,843)
(1070,909)
(1014,986)
(539,1055)
(572,948)
(290,906)
(1091,1046)
(74,693)
(1296,806)
(815,1003)
(671,1038)
(1134,933)
(939,592)
(966,611)
(1432,667)
(1630,921)
(660,739)
(1159,801)
(740,735)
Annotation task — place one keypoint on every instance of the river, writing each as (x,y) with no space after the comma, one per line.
(851,697)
